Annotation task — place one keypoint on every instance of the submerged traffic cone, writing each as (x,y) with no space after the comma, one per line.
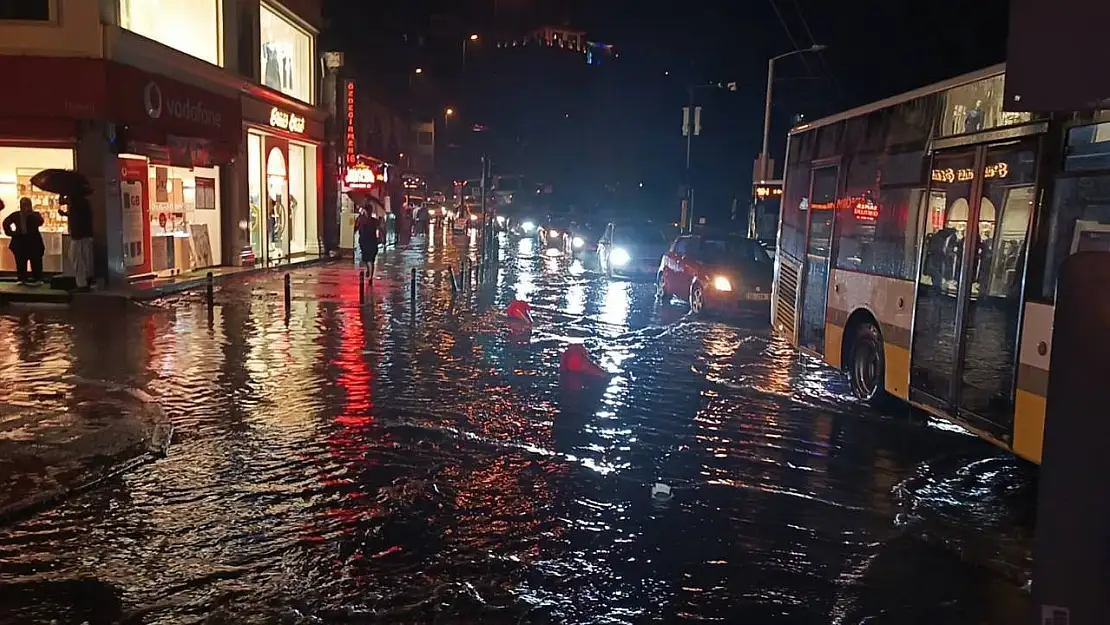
(576,360)
(519,310)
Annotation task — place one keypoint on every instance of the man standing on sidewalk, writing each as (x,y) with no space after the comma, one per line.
(79,217)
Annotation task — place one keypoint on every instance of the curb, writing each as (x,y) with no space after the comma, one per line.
(153,447)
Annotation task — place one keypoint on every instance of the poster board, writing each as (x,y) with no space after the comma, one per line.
(201,246)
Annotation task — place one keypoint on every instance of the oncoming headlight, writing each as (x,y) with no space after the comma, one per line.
(577,242)
(554,234)
(722,283)
(501,220)
(528,226)
(619,256)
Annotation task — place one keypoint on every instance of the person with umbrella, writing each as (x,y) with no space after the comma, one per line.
(26,241)
(75,190)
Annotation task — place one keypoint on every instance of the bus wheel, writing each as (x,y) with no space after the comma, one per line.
(867,367)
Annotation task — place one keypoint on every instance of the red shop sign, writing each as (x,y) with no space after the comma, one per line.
(54,87)
(144,99)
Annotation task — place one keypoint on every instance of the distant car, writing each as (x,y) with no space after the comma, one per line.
(439,198)
(631,249)
(716,273)
(584,236)
(554,232)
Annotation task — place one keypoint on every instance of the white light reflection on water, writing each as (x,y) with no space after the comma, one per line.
(576,299)
(614,309)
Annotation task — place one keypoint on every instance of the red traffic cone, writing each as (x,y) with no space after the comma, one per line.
(576,360)
(519,310)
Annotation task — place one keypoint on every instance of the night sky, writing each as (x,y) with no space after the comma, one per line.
(598,132)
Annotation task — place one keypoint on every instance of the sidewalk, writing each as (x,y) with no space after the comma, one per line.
(140,290)
(59,441)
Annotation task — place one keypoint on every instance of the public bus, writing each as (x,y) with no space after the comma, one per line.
(920,242)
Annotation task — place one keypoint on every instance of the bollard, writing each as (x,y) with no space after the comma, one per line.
(361,287)
(412,283)
(454,282)
(209,291)
(288,292)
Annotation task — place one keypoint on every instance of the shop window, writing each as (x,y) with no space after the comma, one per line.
(25,10)
(909,124)
(287,55)
(189,26)
(184,219)
(17,165)
(976,107)
(297,203)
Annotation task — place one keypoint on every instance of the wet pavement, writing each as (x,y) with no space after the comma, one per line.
(414,461)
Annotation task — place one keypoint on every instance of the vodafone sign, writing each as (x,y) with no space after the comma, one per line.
(164,104)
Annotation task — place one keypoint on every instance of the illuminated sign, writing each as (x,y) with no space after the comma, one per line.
(948,176)
(350,139)
(765,191)
(360,177)
(865,210)
(286,121)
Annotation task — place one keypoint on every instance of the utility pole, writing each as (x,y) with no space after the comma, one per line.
(691,125)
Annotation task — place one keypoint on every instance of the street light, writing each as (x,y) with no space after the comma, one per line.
(447,115)
(472,37)
(418,70)
(764,158)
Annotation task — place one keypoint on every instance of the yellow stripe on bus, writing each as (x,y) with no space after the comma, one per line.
(1029,411)
(897,370)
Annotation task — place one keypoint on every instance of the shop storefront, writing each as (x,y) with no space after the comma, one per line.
(283,179)
(39,130)
(175,141)
(367,177)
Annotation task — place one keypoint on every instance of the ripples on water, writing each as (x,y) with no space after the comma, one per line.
(421,463)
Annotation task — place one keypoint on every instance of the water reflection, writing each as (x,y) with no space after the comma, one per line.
(368,464)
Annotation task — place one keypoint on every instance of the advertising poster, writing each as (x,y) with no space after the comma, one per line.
(135,205)
(206,194)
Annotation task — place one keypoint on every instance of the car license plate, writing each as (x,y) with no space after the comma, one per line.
(758,297)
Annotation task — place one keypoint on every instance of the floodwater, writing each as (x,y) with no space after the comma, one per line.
(415,461)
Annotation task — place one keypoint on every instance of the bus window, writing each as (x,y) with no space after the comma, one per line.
(1080,211)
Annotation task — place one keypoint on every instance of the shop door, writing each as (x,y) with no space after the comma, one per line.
(275,213)
(996,272)
(822,201)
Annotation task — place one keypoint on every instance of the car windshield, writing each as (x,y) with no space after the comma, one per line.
(731,251)
(639,235)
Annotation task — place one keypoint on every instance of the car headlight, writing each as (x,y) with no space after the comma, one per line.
(473,218)
(528,226)
(722,283)
(577,242)
(619,256)
(501,220)
(554,234)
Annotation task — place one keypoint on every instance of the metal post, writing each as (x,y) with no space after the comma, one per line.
(689,175)
(412,283)
(454,282)
(288,292)
(209,293)
(763,160)
(361,287)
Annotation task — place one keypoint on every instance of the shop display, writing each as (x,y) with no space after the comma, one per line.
(44,202)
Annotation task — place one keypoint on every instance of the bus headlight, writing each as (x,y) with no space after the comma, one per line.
(619,256)
(722,283)
(577,242)
(528,226)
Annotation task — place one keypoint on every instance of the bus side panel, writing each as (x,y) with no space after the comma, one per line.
(1032,380)
(890,301)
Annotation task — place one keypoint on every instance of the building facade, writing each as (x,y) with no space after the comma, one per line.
(196,122)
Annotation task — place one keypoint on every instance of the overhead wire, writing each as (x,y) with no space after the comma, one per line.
(790,36)
(820,56)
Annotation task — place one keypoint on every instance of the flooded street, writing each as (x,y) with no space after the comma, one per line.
(417,462)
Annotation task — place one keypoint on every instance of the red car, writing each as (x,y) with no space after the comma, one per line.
(716,274)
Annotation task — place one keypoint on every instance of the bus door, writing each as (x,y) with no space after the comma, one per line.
(822,204)
(972,271)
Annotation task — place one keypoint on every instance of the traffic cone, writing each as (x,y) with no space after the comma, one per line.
(519,310)
(576,360)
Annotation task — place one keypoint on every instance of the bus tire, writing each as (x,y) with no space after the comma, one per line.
(866,365)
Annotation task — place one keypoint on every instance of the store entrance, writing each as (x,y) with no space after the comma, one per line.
(277,203)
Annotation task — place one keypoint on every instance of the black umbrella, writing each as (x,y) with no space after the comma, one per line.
(62,181)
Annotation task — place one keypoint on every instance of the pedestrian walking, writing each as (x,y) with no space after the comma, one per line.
(369,228)
(26,242)
(79,218)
